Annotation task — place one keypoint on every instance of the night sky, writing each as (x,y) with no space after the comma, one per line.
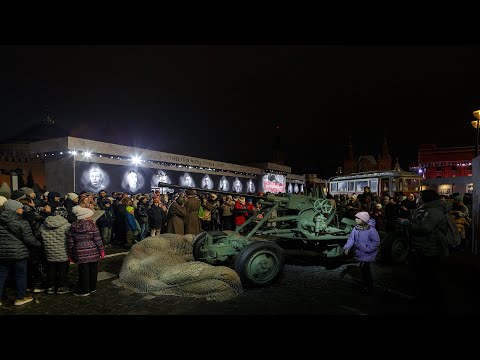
(223,102)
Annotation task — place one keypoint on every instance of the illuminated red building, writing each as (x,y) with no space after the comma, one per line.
(446,170)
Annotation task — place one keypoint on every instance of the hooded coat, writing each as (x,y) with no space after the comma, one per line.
(175,223)
(192,223)
(16,237)
(84,243)
(53,232)
(428,227)
(365,242)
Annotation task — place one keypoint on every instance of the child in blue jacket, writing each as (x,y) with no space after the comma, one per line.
(365,239)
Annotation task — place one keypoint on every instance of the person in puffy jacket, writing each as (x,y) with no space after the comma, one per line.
(365,239)
(85,248)
(16,238)
(53,232)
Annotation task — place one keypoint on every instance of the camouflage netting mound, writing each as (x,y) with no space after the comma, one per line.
(164,265)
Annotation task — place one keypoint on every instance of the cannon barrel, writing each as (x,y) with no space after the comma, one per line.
(274,198)
(160,185)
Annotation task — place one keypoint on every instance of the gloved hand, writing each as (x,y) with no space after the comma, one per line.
(102,255)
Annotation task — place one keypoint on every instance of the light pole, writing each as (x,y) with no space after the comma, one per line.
(475,215)
(475,124)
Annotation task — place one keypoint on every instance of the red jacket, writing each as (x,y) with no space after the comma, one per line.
(240,212)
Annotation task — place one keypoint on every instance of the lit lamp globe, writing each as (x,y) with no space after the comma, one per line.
(476,113)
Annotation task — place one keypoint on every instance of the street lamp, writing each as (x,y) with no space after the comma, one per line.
(475,124)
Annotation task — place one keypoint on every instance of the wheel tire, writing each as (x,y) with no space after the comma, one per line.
(395,248)
(200,240)
(259,264)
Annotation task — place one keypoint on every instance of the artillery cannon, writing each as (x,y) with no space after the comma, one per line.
(254,246)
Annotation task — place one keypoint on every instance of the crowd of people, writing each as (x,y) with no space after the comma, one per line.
(423,218)
(43,233)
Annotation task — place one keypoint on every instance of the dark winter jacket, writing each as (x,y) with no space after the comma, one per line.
(428,227)
(69,205)
(35,220)
(84,242)
(142,213)
(16,237)
(53,232)
(155,217)
(107,219)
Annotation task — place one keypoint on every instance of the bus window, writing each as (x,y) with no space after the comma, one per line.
(360,185)
(334,186)
(384,185)
(342,186)
(374,185)
(351,186)
(394,184)
(412,185)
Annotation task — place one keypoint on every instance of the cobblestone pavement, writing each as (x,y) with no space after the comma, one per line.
(304,288)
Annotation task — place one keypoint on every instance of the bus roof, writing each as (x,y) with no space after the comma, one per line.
(366,174)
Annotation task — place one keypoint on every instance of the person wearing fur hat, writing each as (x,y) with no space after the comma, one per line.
(176,216)
(70,202)
(427,228)
(192,205)
(16,242)
(30,194)
(365,240)
(85,248)
(156,216)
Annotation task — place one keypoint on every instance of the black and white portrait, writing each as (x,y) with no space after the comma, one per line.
(207,182)
(95,179)
(187,180)
(160,177)
(295,189)
(250,186)
(224,185)
(289,189)
(132,181)
(237,185)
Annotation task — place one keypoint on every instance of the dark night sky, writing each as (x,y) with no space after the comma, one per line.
(220,102)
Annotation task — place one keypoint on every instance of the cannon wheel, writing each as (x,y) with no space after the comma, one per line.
(200,240)
(323,205)
(395,248)
(259,264)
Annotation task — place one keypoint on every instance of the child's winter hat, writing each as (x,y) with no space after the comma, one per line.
(363,215)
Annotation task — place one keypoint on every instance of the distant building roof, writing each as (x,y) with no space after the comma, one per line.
(44,130)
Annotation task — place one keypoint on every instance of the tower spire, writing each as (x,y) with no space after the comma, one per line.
(397,166)
(48,117)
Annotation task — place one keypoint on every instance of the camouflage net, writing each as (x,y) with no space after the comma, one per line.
(164,265)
